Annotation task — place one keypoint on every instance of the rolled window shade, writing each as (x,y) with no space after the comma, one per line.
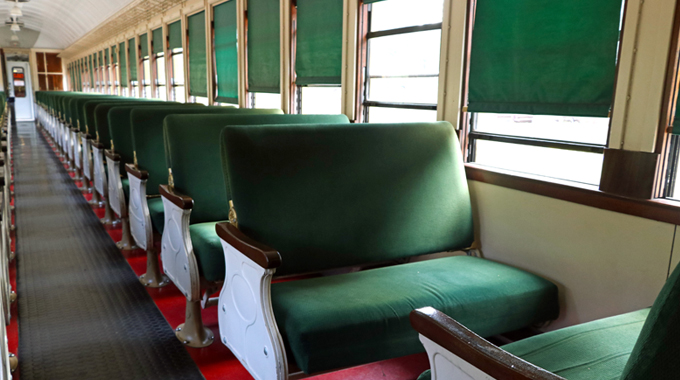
(264,51)
(114,55)
(132,59)
(106,56)
(144,45)
(544,57)
(226,55)
(175,35)
(123,65)
(318,58)
(157,40)
(198,80)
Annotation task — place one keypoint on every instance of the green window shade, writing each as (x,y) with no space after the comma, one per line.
(106,56)
(372,1)
(198,81)
(544,57)
(264,53)
(114,55)
(226,54)
(101,61)
(318,59)
(144,42)
(123,65)
(157,40)
(91,71)
(132,59)
(175,35)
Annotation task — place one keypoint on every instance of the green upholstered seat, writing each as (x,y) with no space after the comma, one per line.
(190,156)
(208,250)
(156,213)
(594,350)
(195,158)
(148,142)
(337,321)
(640,345)
(332,196)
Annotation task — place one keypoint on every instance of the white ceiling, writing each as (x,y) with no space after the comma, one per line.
(59,23)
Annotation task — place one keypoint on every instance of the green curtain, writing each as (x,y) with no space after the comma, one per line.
(114,55)
(544,57)
(226,53)
(264,53)
(318,58)
(91,71)
(106,56)
(123,65)
(198,80)
(132,59)
(144,42)
(157,40)
(175,35)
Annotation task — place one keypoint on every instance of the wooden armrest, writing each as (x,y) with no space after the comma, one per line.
(141,174)
(470,347)
(114,156)
(180,200)
(264,256)
(96,144)
(87,136)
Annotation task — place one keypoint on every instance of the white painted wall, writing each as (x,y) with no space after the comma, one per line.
(605,263)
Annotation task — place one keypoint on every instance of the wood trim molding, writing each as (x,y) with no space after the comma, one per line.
(629,173)
(180,200)
(470,347)
(262,255)
(661,210)
(132,170)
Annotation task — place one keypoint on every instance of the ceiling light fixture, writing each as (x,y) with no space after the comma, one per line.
(15,12)
(15,38)
(15,27)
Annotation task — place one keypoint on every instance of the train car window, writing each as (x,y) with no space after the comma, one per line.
(529,114)
(402,61)
(158,65)
(225,60)
(197,51)
(263,53)
(132,67)
(177,79)
(145,58)
(317,33)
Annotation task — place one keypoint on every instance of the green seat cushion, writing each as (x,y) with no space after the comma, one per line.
(157,214)
(208,250)
(351,319)
(593,350)
(126,187)
(427,375)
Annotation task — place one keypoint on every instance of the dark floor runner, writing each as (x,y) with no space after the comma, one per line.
(82,312)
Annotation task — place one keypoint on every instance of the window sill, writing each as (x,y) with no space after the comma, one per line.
(661,210)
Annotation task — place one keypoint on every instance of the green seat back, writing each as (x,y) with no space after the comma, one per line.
(79,120)
(147,136)
(195,157)
(97,115)
(120,132)
(655,355)
(332,196)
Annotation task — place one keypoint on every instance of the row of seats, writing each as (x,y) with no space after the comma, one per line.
(365,223)
(8,361)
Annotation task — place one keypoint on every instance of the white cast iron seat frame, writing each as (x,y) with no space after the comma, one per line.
(455,352)
(246,319)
